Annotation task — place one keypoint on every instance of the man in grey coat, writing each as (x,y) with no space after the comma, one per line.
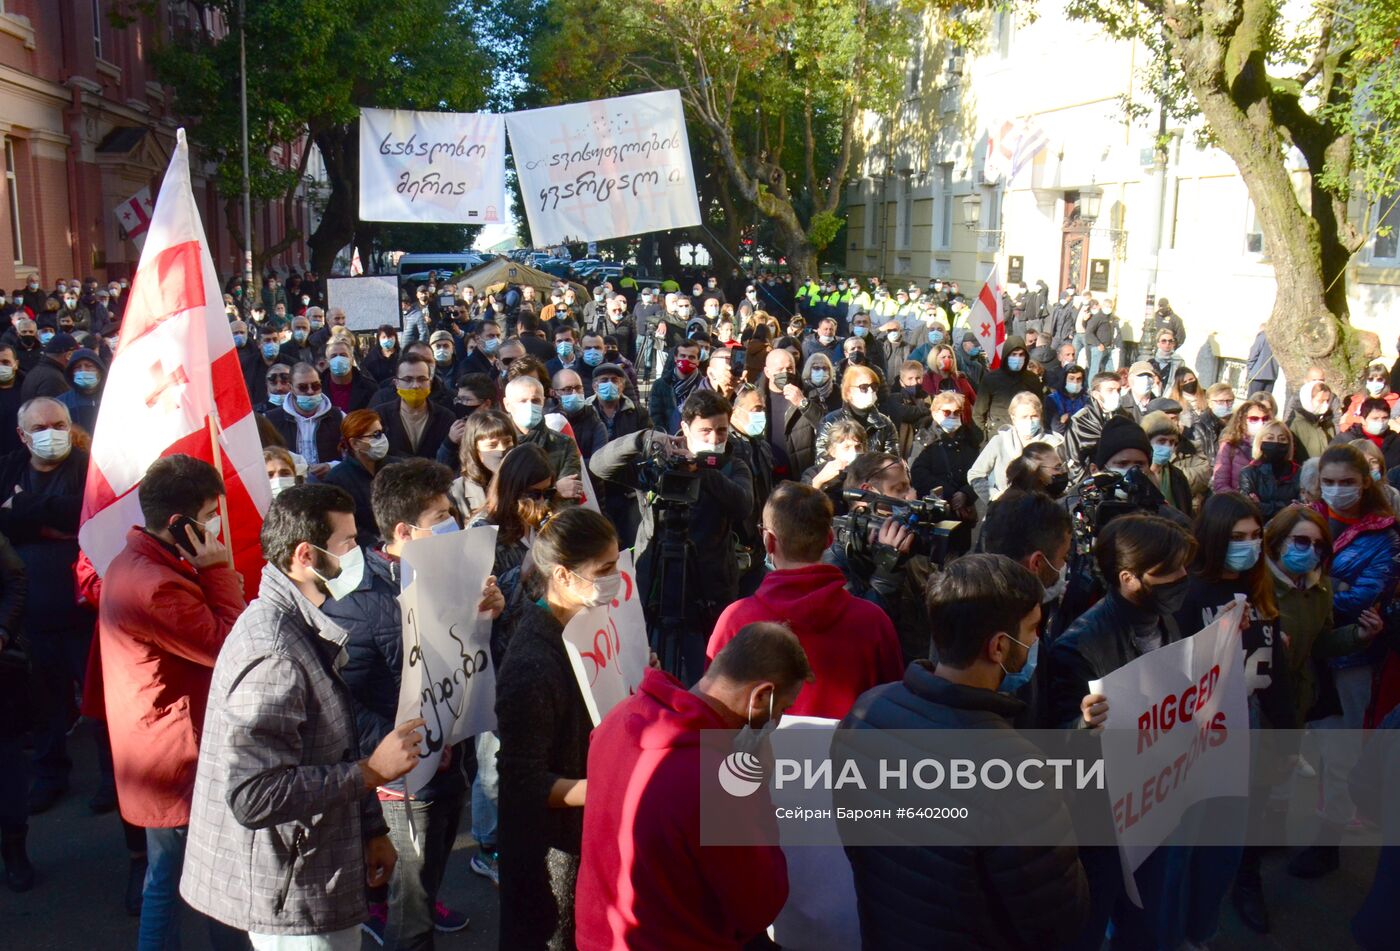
(285,827)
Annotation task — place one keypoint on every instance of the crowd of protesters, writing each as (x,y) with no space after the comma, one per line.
(252,747)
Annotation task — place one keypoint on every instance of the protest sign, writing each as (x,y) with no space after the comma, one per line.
(368,302)
(448,678)
(605,169)
(560,424)
(1177,734)
(444,167)
(607,646)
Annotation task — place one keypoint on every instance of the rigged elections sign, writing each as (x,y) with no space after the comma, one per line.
(447,676)
(605,169)
(443,167)
(1177,734)
(607,646)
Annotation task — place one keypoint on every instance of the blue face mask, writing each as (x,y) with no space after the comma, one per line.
(308,404)
(861,331)
(758,422)
(975,352)
(592,356)
(240,339)
(1242,556)
(935,337)
(1299,561)
(45,336)
(565,350)
(571,402)
(339,365)
(1161,455)
(491,344)
(1221,412)
(85,379)
(1016,364)
(269,350)
(819,376)
(1072,387)
(386,344)
(299,336)
(608,391)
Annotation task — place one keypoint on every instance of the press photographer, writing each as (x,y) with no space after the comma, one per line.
(692,491)
(888,542)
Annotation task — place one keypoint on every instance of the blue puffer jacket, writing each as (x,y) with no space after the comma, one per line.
(374,659)
(1365,569)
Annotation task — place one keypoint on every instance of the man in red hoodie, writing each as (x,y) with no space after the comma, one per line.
(850,642)
(645,882)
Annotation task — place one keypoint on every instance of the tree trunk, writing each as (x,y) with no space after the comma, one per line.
(1226,73)
(339,147)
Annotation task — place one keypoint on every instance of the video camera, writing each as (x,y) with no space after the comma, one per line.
(929,520)
(1107,495)
(674,480)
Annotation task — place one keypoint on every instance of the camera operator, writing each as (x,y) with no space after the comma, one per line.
(704,558)
(880,563)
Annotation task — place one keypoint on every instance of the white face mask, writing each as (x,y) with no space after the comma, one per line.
(1111,401)
(352,570)
(1057,589)
(527,415)
(279,483)
(601,590)
(51,444)
(862,400)
(378,446)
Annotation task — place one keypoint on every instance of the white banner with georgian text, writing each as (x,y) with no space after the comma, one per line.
(442,167)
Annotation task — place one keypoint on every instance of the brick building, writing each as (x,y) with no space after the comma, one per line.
(85,126)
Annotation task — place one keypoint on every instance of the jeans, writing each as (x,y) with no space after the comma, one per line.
(347,939)
(1354,692)
(486,791)
(59,661)
(161,903)
(423,854)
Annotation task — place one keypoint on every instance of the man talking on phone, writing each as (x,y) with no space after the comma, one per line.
(169,600)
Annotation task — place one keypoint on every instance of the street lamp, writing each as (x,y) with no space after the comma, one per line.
(1090,203)
(972,217)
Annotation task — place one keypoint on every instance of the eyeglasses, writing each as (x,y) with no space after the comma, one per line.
(308,387)
(864,387)
(1303,543)
(415,382)
(279,378)
(565,390)
(1257,419)
(507,361)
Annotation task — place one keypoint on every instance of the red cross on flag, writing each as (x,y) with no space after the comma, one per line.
(134,216)
(987,321)
(175,387)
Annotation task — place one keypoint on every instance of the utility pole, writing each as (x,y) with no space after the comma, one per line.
(247,198)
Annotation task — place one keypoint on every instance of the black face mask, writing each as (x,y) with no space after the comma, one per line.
(1274,452)
(1057,485)
(1191,387)
(1164,599)
(857,358)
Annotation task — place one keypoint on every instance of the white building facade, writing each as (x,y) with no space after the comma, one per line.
(1183,230)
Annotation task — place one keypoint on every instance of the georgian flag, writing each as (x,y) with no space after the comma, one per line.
(175,387)
(134,216)
(986,320)
(1012,146)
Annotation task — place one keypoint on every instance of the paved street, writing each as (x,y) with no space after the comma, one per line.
(82,865)
(81,860)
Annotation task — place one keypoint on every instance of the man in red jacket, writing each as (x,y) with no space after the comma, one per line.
(850,642)
(168,601)
(645,882)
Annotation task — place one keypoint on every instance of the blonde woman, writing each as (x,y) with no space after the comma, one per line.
(1271,478)
(860,392)
(988,474)
(943,375)
(1237,442)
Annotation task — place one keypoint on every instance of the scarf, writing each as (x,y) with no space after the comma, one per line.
(685,385)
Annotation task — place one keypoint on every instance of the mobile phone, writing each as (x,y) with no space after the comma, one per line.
(181,531)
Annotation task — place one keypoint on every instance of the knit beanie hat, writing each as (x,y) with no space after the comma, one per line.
(1120,433)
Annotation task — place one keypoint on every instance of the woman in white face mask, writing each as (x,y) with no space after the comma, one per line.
(364,451)
(544,726)
(281,469)
(860,394)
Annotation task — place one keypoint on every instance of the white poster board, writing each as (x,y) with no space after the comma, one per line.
(368,302)
(605,169)
(607,646)
(448,678)
(1177,733)
(442,167)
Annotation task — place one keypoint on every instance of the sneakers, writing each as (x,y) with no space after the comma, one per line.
(487,865)
(447,920)
(378,922)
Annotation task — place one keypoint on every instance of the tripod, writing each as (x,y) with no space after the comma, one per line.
(672,638)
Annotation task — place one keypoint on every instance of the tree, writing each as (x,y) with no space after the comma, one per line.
(773,91)
(1327,87)
(312,64)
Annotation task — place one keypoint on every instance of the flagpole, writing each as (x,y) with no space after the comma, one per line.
(223,496)
(247,200)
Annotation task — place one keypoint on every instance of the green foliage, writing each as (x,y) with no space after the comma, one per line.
(1372,114)
(823,228)
(426,238)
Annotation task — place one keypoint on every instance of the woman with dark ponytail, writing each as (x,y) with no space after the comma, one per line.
(544,726)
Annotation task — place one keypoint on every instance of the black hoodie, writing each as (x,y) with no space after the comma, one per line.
(992,410)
